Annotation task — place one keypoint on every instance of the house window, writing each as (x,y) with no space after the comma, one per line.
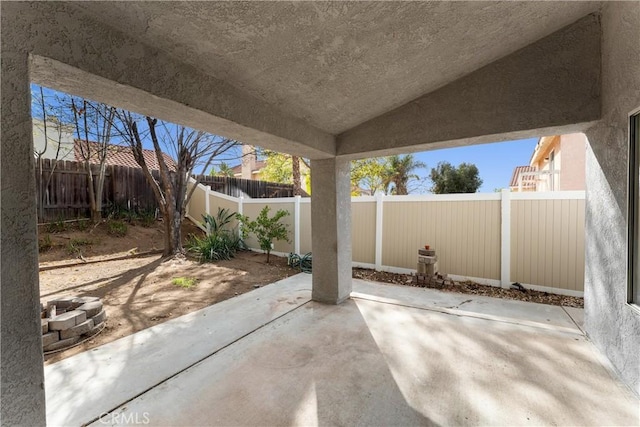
(633,295)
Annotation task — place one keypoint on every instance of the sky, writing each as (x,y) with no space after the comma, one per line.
(495,161)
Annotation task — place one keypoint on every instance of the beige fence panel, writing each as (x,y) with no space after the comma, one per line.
(305,227)
(197,204)
(547,243)
(363,232)
(252,210)
(543,237)
(465,234)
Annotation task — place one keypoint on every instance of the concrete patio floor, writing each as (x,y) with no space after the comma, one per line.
(389,356)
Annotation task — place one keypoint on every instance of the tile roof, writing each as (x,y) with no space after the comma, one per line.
(516,174)
(121,155)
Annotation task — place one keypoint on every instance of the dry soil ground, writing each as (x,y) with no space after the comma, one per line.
(137,293)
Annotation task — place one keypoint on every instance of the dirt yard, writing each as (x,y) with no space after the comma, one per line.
(138,293)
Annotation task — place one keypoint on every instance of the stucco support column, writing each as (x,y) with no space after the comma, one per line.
(22,399)
(331,230)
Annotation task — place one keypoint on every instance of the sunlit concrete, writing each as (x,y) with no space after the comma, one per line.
(389,356)
(82,387)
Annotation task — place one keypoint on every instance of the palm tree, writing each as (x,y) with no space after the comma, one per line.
(223,170)
(399,172)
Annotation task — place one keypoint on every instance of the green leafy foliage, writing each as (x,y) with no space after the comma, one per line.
(117,228)
(392,174)
(448,179)
(58,226)
(286,169)
(75,245)
(223,170)
(45,243)
(221,242)
(134,215)
(184,282)
(368,176)
(266,229)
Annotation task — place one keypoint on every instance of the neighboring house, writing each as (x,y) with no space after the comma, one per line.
(59,142)
(523,179)
(120,155)
(557,164)
(61,135)
(251,168)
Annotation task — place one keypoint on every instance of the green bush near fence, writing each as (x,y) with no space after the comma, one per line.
(267,230)
(222,242)
(117,228)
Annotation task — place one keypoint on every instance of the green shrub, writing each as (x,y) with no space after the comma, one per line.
(146,217)
(267,230)
(221,242)
(83,224)
(45,243)
(58,226)
(134,215)
(184,282)
(117,228)
(75,245)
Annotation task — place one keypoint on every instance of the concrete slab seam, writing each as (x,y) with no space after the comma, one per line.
(93,420)
(462,313)
(573,320)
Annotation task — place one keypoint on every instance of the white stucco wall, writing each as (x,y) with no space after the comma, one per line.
(57,136)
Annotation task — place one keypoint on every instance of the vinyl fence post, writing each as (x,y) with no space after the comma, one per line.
(505,237)
(207,200)
(379,211)
(296,225)
(240,202)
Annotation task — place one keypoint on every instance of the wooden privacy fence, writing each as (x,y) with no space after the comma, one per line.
(66,196)
(238,187)
(536,239)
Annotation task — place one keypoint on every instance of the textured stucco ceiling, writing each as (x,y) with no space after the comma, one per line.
(338,64)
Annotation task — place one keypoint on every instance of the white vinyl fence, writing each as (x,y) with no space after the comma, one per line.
(536,239)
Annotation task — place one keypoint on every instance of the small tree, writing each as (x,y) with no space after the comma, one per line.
(267,230)
(448,179)
(368,176)
(191,148)
(94,128)
(284,168)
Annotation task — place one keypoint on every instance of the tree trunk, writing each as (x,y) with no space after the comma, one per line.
(100,188)
(40,189)
(297,186)
(268,253)
(173,232)
(96,215)
(173,239)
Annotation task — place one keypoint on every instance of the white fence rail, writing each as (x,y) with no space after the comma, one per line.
(536,239)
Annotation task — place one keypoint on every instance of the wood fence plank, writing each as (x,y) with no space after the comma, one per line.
(68,189)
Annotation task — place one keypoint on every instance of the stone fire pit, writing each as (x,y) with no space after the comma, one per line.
(68,320)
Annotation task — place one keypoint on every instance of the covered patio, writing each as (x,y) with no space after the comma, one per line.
(392,355)
(333,82)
